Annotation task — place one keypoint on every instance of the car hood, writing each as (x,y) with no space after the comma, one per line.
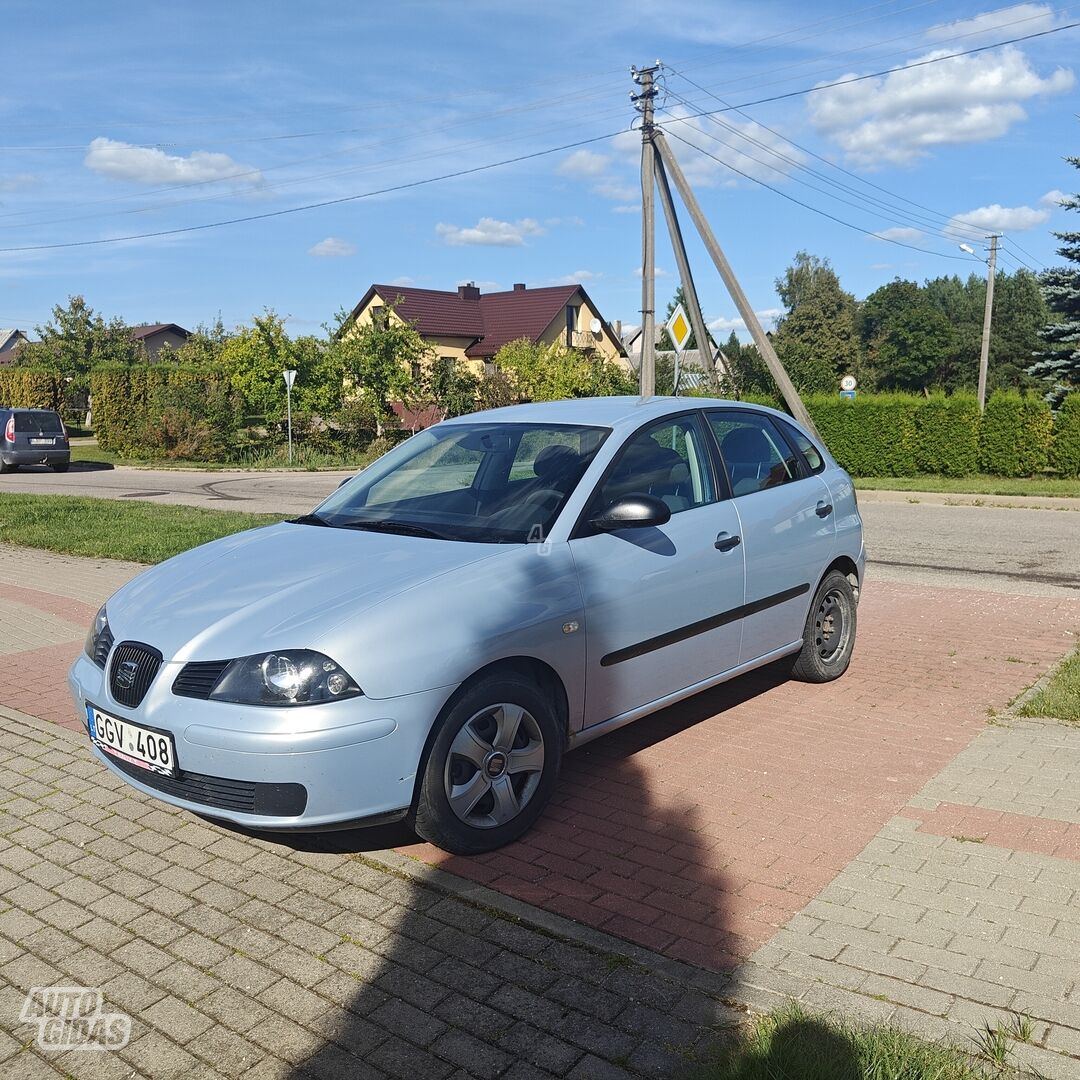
(282,586)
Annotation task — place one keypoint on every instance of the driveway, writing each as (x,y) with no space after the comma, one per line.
(886,844)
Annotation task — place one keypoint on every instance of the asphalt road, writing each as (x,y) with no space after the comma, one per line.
(1014,549)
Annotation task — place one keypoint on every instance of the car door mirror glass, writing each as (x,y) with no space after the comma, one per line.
(633,512)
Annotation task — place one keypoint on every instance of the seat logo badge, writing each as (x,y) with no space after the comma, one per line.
(125,674)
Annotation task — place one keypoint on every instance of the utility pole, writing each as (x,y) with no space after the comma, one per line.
(764,345)
(697,320)
(643,102)
(988,314)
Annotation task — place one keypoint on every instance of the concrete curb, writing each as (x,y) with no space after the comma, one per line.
(947,498)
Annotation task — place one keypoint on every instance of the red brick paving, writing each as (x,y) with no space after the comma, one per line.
(702,829)
(1017,832)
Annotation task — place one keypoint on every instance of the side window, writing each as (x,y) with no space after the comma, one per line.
(668,460)
(808,449)
(755,455)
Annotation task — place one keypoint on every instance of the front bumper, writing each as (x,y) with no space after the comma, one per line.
(355,759)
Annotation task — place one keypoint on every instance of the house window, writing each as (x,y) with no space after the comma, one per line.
(571,323)
(448,361)
(414,369)
(378,316)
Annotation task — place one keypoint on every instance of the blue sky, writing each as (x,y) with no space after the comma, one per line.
(120,119)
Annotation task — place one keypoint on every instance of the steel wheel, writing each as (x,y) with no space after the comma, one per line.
(830,626)
(494,766)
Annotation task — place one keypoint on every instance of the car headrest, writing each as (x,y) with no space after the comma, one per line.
(746,444)
(554,462)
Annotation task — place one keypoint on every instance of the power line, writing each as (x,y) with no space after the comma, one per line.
(1012,243)
(316,205)
(888,71)
(808,206)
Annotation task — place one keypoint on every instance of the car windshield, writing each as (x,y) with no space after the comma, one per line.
(486,483)
(39,423)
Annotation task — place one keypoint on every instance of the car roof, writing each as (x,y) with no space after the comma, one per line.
(613,412)
(26,408)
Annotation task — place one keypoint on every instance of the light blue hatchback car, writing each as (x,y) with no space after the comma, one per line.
(496,590)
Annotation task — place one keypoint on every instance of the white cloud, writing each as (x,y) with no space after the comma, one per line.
(332,248)
(403,280)
(578,277)
(627,208)
(1018,19)
(1053,198)
(484,286)
(904,235)
(900,117)
(658,271)
(145,165)
(767,318)
(17,182)
(619,191)
(584,164)
(996,218)
(490,232)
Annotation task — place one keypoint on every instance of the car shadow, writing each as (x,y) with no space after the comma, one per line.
(473,981)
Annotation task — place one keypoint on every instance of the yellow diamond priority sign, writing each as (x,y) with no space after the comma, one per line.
(679,328)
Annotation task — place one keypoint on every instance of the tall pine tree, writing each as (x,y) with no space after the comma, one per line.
(1059,362)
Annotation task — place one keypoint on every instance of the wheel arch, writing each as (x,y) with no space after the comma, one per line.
(846,565)
(527,666)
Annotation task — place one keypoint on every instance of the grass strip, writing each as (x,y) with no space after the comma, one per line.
(973,485)
(1060,698)
(793,1044)
(135,531)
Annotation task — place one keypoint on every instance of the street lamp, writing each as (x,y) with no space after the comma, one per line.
(965,247)
(289,375)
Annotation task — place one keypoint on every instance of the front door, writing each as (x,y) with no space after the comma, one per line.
(787,524)
(655,598)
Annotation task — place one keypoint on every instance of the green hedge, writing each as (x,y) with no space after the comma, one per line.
(31,388)
(873,435)
(947,435)
(159,410)
(1065,454)
(1015,435)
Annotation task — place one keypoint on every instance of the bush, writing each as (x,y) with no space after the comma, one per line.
(1015,435)
(31,388)
(164,411)
(1065,455)
(873,435)
(947,435)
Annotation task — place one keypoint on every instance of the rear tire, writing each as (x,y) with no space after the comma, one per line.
(829,635)
(61,466)
(492,767)
(6,468)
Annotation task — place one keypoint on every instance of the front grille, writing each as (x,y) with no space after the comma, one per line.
(240,796)
(199,678)
(102,647)
(133,669)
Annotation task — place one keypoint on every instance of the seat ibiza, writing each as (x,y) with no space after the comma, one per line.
(496,590)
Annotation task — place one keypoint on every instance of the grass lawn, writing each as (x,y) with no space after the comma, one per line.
(791,1044)
(111,529)
(973,485)
(304,460)
(1061,698)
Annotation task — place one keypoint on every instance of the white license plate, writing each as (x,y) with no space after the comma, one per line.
(42,442)
(153,750)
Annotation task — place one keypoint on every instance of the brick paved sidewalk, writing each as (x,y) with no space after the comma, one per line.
(237,956)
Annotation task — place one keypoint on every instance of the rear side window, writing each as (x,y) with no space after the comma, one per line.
(755,454)
(39,422)
(808,449)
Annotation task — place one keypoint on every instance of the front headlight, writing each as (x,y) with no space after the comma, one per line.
(99,639)
(293,677)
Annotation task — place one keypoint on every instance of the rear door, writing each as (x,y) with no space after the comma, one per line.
(787,524)
(38,429)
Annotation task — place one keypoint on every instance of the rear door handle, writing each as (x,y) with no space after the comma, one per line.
(726,543)
(824,509)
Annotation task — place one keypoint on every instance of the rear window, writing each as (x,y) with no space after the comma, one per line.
(39,422)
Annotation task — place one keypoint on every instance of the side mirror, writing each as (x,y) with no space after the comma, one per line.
(633,512)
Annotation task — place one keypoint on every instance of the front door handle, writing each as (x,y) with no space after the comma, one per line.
(824,509)
(726,543)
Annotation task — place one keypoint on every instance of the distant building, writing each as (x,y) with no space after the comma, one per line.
(10,340)
(153,336)
(469,327)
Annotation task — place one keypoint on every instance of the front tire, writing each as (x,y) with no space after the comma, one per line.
(829,634)
(492,767)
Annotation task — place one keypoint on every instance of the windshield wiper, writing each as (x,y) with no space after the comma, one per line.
(310,519)
(405,528)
